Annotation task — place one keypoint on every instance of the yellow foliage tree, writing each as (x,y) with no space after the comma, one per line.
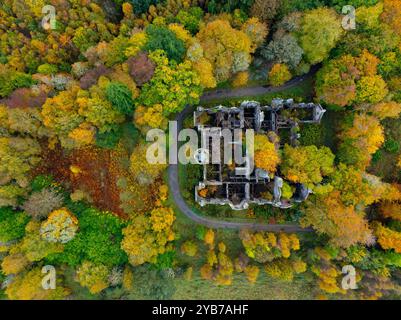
(252,273)
(147,237)
(392,14)
(387,238)
(83,135)
(61,226)
(14,263)
(384,110)
(279,74)
(92,276)
(144,172)
(189,248)
(266,155)
(227,49)
(256,31)
(391,210)
(151,117)
(209,238)
(205,70)
(366,132)
(28,286)
(240,79)
(162,219)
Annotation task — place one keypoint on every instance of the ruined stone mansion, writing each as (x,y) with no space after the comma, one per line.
(241,185)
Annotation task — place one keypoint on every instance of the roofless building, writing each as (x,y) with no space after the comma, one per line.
(240,185)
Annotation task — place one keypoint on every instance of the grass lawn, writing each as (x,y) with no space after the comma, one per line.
(302,93)
(265,288)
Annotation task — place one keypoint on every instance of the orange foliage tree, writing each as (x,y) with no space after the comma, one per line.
(387,238)
(343,224)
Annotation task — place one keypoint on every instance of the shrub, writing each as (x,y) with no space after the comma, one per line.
(200,232)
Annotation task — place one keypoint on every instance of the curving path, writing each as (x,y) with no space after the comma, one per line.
(173,168)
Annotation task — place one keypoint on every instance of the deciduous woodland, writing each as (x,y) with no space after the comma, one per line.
(76,190)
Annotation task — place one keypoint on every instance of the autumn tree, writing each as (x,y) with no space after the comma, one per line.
(182,88)
(141,68)
(33,246)
(388,238)
(240,79)
(60,114)
(18,156)
(61,226)
(266,156)
(227,49)
(92,276)
(265,10)
(308,164)
(354,188)
(189,248)
(263,246)
(22,121)
(40,204)
(147,237)
(28,286)
(252,273)
(360,140)
(328,278)
(345,225)
(391,15)
(391,210)
(256,31)
(371,89)
(278,75)
(383,110)
(283,49)
(143,171)
(320,31)
(14,264)
(209,238)
(146,118)
(348,79)
(284,269)
(219,268)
